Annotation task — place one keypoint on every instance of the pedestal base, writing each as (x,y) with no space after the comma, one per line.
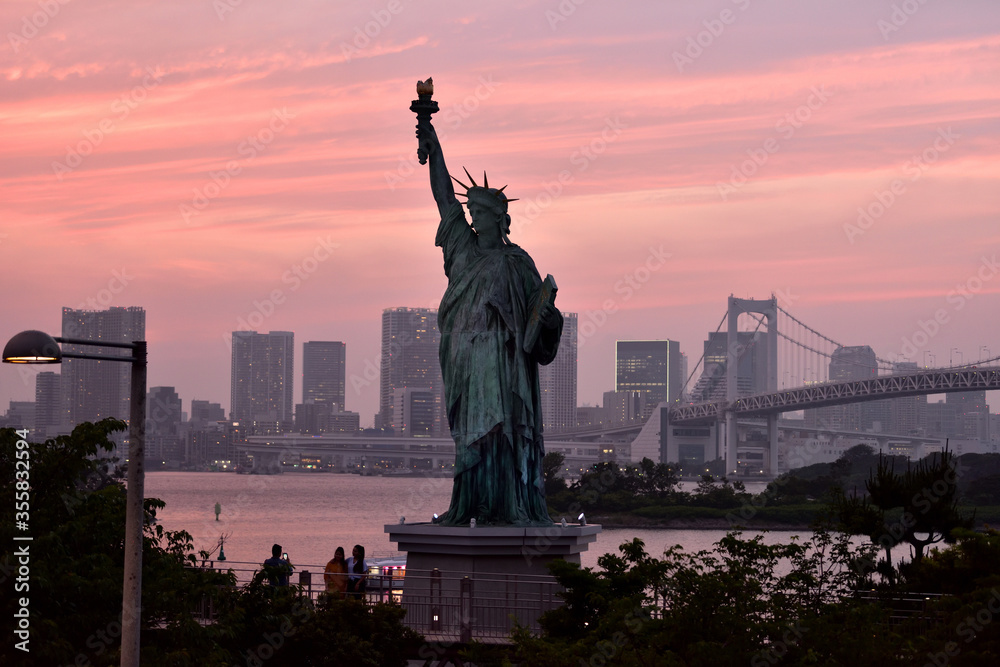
(464,583)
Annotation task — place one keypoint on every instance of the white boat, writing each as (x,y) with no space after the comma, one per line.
(387,573)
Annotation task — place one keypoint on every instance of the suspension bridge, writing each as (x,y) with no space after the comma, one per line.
(739,376)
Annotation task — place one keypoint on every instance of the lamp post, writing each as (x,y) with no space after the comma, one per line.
(37,347)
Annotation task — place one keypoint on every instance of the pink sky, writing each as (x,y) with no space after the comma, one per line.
(116,115)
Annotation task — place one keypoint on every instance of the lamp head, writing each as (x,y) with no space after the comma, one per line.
(32,347)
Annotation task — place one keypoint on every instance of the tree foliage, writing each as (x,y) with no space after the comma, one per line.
(76,564)
(744,602)
(917,506)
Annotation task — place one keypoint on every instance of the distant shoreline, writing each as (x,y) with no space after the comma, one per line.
(636,523)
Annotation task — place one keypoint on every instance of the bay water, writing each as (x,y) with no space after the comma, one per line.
(311,514)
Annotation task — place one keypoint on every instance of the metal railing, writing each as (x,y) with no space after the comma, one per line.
(457,606)
(444,606)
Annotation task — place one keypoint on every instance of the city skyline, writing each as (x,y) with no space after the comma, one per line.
(260,174)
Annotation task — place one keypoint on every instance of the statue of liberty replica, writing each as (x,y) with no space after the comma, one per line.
(498,322)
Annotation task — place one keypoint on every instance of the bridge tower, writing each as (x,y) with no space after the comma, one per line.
(769,309)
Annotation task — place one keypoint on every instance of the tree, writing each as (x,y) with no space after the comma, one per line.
(76,564)
(743,602)
(76,556)
(657,480)
(552,465)
(918,506)
(720,493)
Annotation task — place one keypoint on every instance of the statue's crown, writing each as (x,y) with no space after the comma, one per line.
(483,194)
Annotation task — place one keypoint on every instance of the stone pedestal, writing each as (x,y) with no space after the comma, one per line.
(464,583)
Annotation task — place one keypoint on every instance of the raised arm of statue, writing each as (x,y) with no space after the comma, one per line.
(429,146)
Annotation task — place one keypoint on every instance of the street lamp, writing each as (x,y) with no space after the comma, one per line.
(37,347)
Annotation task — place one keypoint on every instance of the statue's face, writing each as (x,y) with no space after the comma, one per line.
(485,221)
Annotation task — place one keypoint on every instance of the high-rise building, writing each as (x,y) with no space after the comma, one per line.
(652,367)
(20,414)
(324,374)
(204,413)
(557,381)
(91,389)
(416,412)
(164,444)
(909,414)
(262,375)
(751,369)
(847,364)
(48,404)
(972,415)
(163,411)
(853,362)
(624,407)
(410,342)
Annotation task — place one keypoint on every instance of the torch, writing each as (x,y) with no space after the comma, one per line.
(424,107)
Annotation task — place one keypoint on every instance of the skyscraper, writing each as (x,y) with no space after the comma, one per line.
(324,374)
(557,381)
(652,367)
(164,445)
(847,364)
(92,389)
(416,411)
(204,413)
(262,375)
(909,414)
(163,411)
(972,415)
(410,341)
(48,404)
(751,370)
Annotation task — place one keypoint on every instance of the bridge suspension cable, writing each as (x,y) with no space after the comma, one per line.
(885,364)
(700,361)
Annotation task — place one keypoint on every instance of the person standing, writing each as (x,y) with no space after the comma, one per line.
(277,568)
(336,575)
(357,573)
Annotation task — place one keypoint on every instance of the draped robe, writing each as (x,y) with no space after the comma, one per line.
(490,382)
